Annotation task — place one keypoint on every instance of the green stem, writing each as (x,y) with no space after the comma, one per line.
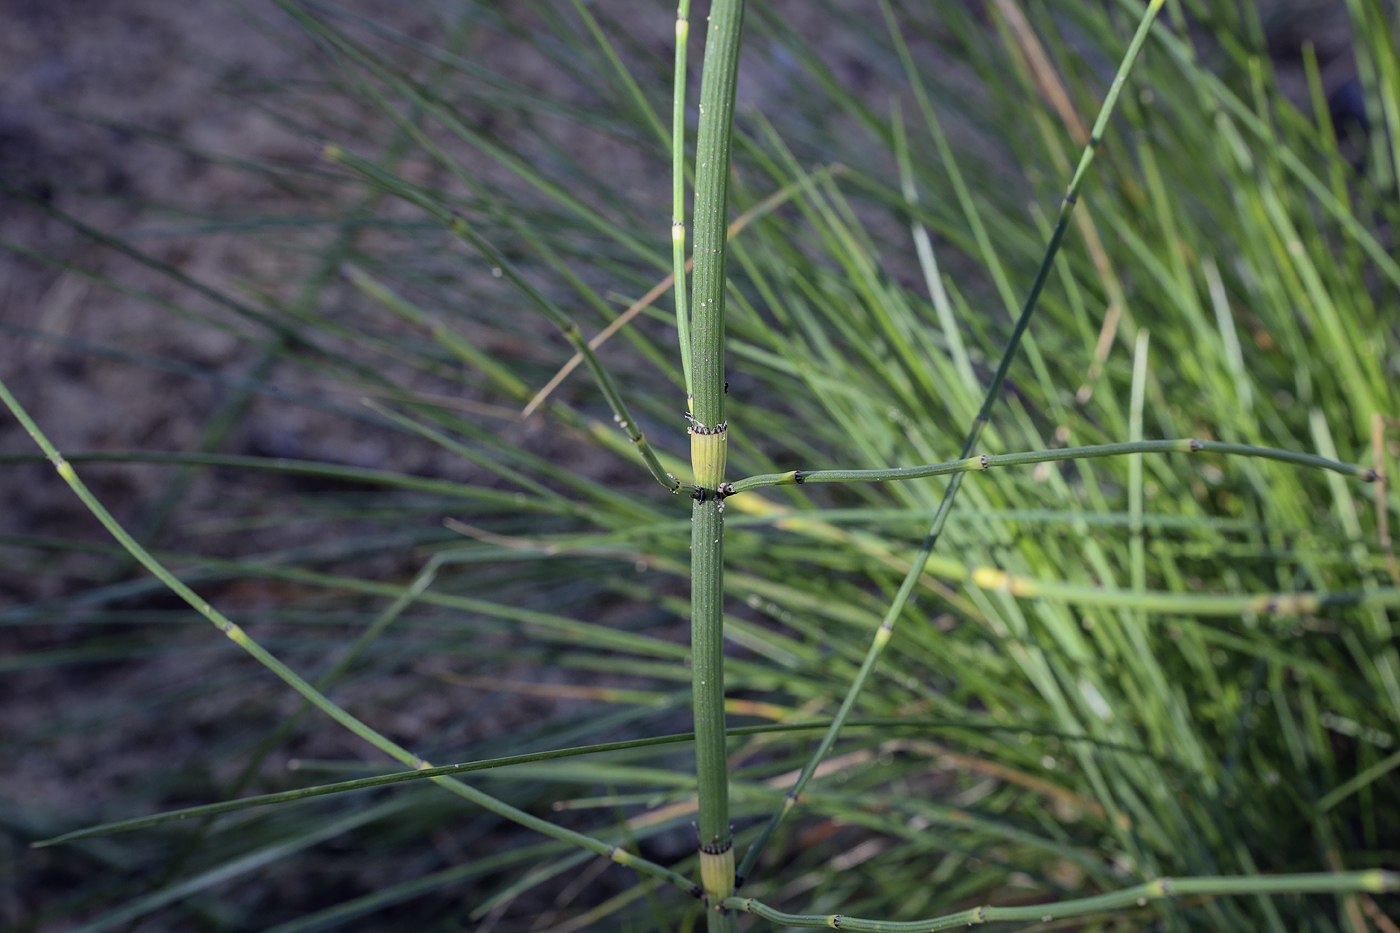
(459,226)
(712,210)
(708,439)
(488,764)
(1373,882)
(639,99)
(906,588)
(707,672)
(678,193)
(987,461)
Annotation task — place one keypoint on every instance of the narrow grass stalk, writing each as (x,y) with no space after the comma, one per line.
(1373,882)
(274,739)
(950,164)
(678,194)
(709,437)
(459,226)
(778,197)
(906,589)
(488,764)
(987,461)
(259,858)
(1362,780)
(390,895)
(928,262)
(310,693)
(639,100)
(1197,604)
(1136,545)
(313,468)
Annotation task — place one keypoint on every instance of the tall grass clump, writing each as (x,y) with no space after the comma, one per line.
(1140,671)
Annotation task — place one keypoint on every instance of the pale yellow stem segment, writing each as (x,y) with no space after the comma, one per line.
(709,448)
(717,874)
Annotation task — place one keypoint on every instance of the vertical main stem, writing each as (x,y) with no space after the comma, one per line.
(707,672)
(708,440)
(712,210)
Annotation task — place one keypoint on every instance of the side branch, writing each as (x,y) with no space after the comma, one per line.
(459,226)
(987,461)
(678,194)
(1372,882)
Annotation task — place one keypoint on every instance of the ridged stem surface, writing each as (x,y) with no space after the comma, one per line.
(711,214)
(709,436)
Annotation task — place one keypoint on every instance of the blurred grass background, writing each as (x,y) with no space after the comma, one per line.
(185,274)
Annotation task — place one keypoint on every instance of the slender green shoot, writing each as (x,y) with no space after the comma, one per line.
(488,764)
(641,304)
(678,193)
(459,226)
(1373,882)
(639,100)
(987,461)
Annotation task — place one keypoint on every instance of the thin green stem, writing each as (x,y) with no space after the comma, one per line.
(403,777)
(1373,882)
(708,440)
(1186,604)
(459,226)
(335,471)
(712,149)
(916,569)
(1136,544)
(639,100)
(678,193)
(928,262)
(707,672)
(950,164)
(1362,780)
(297,683)
(987,461)
(274,739)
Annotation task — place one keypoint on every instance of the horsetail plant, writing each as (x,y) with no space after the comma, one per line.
(700,319)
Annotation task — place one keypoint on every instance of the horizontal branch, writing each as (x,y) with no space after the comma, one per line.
(1374,882)
(1191,604)
(677,738)
(987,461)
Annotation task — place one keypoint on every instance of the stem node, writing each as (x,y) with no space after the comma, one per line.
(708,452)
